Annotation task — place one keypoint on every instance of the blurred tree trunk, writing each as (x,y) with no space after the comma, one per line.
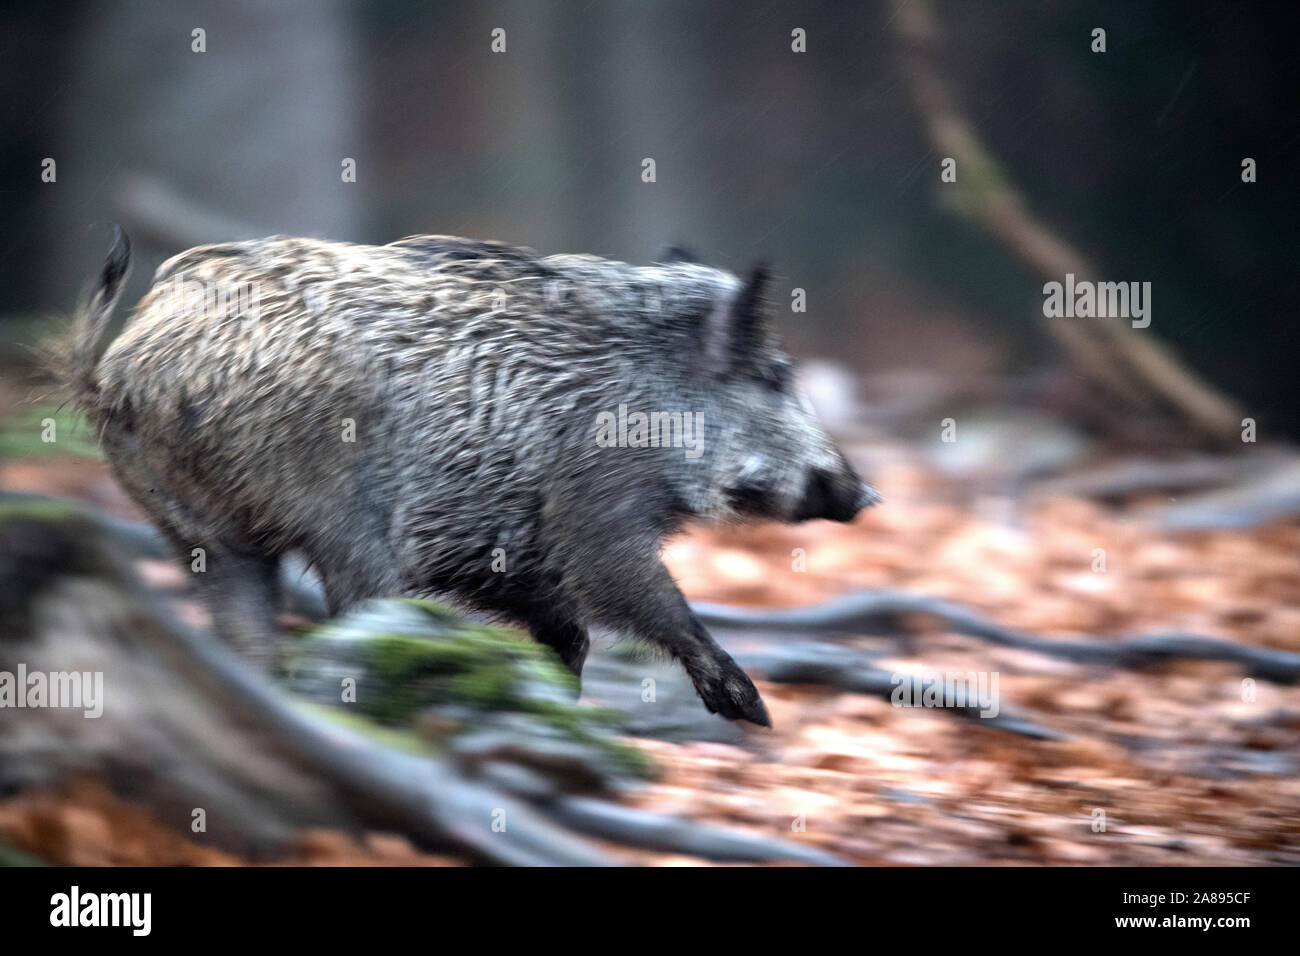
(255,128)
(632,78)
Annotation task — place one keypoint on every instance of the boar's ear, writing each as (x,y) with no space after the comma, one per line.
(747,309)
(733,329)
(670,254)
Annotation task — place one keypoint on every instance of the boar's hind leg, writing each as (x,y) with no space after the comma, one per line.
(241,590)
(238,584)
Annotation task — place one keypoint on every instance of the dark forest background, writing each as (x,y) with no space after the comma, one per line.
(818,161)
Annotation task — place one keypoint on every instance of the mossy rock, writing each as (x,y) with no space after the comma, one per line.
(419,663)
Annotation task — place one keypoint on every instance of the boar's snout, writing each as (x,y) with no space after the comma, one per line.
(835,496)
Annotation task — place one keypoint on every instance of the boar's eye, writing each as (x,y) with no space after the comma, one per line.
(778,377)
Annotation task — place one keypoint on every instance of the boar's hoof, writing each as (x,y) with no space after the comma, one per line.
(728,692)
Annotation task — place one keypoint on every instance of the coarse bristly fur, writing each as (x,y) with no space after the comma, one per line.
(424,418)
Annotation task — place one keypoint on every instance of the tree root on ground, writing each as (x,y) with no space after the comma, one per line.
(884,610)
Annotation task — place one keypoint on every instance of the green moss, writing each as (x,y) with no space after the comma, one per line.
(403,740)
(37,509)
(472,666)
(483,669)
(22,433)
(580,723)
(440,613)
(487,688)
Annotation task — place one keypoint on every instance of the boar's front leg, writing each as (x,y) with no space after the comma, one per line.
(721,684)
(649,606)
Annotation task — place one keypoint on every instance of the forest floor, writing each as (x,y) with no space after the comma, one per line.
(1182,764)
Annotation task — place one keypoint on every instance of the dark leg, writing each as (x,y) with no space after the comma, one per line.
(239,584)
(242,593)
(241,590)
(647,604)
(718,679)
(564,635)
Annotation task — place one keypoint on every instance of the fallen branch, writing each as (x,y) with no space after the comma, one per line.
(1118,481)
(674,835)
(136,540)
(884,610)
(1272,496)
(845,669)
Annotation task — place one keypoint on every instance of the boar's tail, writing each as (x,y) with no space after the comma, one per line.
(74,359)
